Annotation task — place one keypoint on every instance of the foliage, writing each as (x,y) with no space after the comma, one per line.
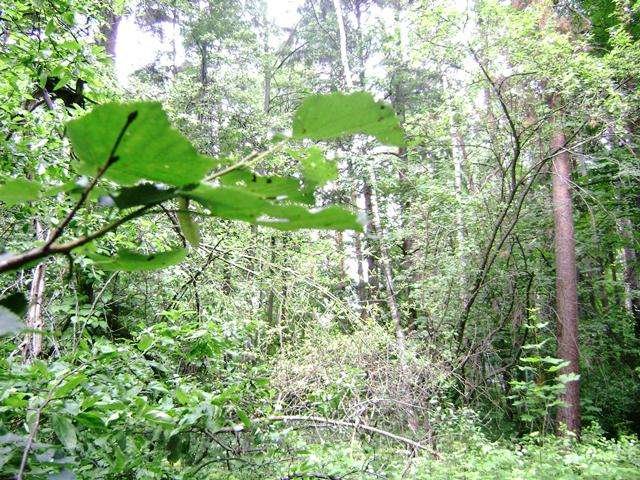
(319,251)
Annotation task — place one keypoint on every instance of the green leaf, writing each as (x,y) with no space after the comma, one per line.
(244,418)
(90,420)
(323,117)
(145,342)
(150,149)
(188,226)
(16,302)
(267,187)
(12,308)
(238,204)
(294,217)
(65,431)
(159,416)
(70,385)
(316,169)
(129,261)
(229,202)
(18,190)
(144,194)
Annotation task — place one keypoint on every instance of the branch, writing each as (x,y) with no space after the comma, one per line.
(50,248)
(16,261)
(251,158)
(55,234)
(327,422)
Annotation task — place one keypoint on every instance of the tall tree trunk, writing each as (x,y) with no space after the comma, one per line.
(387,272)
(344,60)
(362,287)
(272,293)
(32,346)
(110,32)
(204,64)
(566,276)
(458,159)
(401,78)
(631,284)
(371,262)
(343,45)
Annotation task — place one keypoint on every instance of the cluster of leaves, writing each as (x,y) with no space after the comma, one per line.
(133,146)
(111,410)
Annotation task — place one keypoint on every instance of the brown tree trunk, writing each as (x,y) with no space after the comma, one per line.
(566,278)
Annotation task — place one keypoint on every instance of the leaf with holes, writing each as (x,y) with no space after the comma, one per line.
(268,187)
(316,169)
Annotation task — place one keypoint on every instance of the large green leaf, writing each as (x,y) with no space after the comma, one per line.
(128,261)
(12,308)
(268,187)
(70,385)
(144,194)
(65,431)
(229,202)
(239,204)
(323,117)
(316,169)
(188,226)
(150,149)
(295,217)
(18,190)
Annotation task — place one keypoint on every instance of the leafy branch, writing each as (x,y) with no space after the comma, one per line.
(50,247)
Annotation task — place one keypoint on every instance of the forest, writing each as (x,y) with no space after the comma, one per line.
(319,239)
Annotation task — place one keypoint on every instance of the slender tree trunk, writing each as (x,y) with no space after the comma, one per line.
(371,233)
(272,293)
(110,32)
(458,159)
(566,277)
(401,78)
(174,36)
(266,68)
(32,346)
(631,284)
(344,59)
(204,64)
(362,288)
(387,272)
(343,45)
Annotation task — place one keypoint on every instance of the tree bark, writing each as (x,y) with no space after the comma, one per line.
(566,278)
(32,346)
(343,45)
(631,284)
(110,32)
